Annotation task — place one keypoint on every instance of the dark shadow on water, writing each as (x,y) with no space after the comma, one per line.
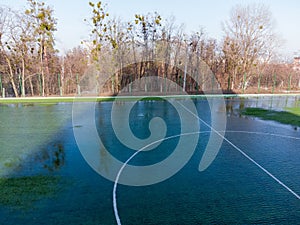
(35,179)
(52,158)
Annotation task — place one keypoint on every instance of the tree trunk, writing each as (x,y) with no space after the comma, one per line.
(43,77)
(31,86)
(11,77)
(233,80)
(47,83)
(42,69)
(62,79)
(23,78)
(185,68)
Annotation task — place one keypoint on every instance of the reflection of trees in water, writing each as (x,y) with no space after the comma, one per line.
(235,106)
(104,159)
(52,158)
(229,107)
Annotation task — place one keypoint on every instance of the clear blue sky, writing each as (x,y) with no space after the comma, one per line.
(193,13)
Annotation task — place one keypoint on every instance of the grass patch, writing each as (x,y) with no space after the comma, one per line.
(50,100)
(134,97)
(23,192)
(295,110)
(291,117)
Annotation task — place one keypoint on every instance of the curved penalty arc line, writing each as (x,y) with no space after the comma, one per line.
(131,157)
(117,217)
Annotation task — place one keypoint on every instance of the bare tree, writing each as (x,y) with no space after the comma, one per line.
(6,24)
(120,45)
(249,39)
(74,65)
(44,24)
(22,46)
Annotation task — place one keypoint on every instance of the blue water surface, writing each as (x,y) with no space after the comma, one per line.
(232,190)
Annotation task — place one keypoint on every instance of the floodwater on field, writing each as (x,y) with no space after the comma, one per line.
(44,178)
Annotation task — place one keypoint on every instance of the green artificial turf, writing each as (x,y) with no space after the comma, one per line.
(295,110)
(291,116)
(53,100)
(23,192)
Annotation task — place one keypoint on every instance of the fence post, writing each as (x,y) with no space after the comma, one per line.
(130,85)
(1,85)
(40,82)
(112,85)
(59,85)
(78,86)
(20,84)
(146,84)
(274,83)
(212,83)
(289,85)
(165,84)
(258,85)
(3,92)
(244,82)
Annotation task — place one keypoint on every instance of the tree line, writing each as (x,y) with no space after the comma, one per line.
(119,52)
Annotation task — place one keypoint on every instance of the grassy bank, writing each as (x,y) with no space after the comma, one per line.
(57,99)
(53,100)
(291,116)
(295,110)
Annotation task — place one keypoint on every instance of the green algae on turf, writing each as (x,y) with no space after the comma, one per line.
(23,192)
(25,130)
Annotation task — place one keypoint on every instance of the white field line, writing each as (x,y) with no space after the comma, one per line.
(131,157)
(118,220)
(244,154)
